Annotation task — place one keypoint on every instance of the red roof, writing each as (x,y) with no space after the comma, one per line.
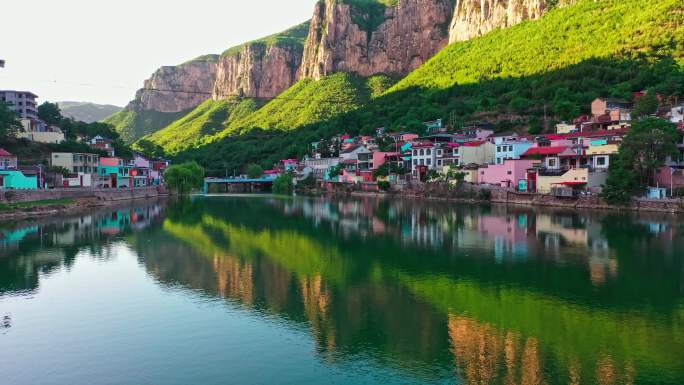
(475,143)
(545,150)
(577,183)
(3,152)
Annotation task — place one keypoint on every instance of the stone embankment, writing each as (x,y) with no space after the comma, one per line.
(105,195)
(78,200)
(486,194)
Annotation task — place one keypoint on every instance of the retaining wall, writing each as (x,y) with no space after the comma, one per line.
(13,196)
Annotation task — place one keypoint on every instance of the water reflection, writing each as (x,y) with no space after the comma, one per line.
(486,295)
(42,246)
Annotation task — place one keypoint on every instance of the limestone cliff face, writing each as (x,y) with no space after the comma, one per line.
(257,70)
(392,40)
(474,18)
(192,83)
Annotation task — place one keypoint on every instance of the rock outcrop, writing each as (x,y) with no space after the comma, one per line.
(177,88)
(257,70)
(473,18)
(377,39)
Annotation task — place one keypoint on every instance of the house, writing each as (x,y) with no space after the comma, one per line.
(554,157)
(599,153)
(380,158)
(509,148)
(358,164)
(564,128)
(320,167)
(478,132)
(16,180)
(83,167)
(36,130)
(616,109)
(23,103)
(7,160)
(476,152)
(671,177)
(114,173)
(581,178)
(423,158)
(103,144)
(506,174)
(677,114)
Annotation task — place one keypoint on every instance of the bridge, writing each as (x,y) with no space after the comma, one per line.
(245,183)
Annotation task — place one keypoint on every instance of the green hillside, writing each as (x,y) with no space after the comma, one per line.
(200,124)
(509,77)
(132,125)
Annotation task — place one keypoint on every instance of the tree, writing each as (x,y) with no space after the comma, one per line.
(184,177)
(9,122)
(50,113)
(149,148)
(643,151)
(283,184)
(647,105)
(254,171)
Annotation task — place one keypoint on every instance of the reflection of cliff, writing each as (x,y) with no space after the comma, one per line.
(485,355)
(348,285)
(566,330)
(292,275)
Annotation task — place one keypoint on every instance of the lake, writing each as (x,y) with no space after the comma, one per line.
(268,290)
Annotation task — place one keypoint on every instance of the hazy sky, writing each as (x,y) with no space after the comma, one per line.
(101,50)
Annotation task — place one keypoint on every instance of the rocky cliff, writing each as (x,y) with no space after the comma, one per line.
(257,71)
(474,18)
(368,38)
(263,68)
(177,88)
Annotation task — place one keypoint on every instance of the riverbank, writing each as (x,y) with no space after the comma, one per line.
(477,194)
(27,204)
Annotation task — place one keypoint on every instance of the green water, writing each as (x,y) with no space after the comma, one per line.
(263,290)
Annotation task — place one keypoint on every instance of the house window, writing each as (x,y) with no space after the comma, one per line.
(422,162)
(428,152)
(439,162)
(498,148)
(428,161)
(510,173)
(415,162)
(498,161)
(415,152)
(439,152)
(551,162)
(422,152)
(601,161)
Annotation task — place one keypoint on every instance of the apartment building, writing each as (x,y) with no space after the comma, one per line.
(21,102)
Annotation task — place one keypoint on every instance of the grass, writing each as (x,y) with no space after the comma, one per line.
(132,125)
(294,36)
(4,207)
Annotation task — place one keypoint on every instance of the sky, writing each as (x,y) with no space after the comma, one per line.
(101,51)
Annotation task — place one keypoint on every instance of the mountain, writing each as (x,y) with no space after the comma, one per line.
(363,37)
(513,77)
(87,112)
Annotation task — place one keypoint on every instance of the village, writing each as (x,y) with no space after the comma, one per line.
(573,161)
(102,168)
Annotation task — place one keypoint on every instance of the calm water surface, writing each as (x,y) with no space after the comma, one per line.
(262,290)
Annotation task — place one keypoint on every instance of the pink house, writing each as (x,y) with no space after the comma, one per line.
(507,174)
(380,158)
